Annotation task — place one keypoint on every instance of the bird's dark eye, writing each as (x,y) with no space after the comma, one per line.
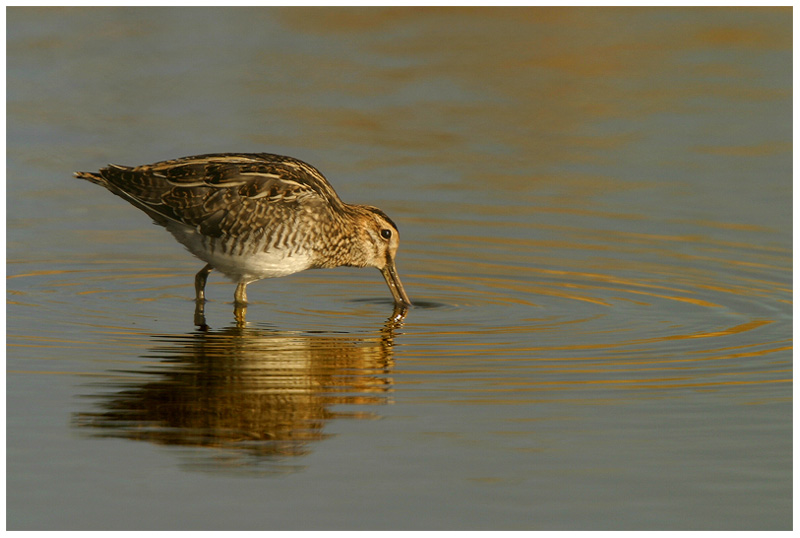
(386,233)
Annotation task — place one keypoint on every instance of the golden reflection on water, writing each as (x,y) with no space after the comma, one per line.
(562,69)
(262,392)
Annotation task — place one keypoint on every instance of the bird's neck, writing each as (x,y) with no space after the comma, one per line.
(351,241)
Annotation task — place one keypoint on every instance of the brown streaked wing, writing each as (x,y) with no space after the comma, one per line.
(235,169)
(208,190)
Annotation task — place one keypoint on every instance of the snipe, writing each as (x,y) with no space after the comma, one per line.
(257,215)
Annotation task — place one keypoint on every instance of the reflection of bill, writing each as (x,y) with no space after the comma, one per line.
(257,392)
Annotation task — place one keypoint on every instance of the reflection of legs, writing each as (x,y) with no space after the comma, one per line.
(240,314)
(200,282)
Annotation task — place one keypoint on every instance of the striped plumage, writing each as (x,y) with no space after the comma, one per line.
(257,215)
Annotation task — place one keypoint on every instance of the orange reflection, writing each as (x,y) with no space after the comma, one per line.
(263,393)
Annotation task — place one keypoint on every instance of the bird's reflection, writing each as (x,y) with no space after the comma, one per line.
(257,391)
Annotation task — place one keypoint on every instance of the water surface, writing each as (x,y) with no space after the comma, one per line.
(595,217)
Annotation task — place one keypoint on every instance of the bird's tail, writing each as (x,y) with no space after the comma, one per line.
(94,177)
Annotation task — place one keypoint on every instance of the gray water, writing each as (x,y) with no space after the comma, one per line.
(595,217)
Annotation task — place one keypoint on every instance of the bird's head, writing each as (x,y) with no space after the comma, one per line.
(379,242)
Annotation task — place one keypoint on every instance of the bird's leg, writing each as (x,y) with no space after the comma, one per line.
(200,315)
(240,304)
(200,297)
(240,296)
(200,282)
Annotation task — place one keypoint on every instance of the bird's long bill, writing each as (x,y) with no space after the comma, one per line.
(389,272)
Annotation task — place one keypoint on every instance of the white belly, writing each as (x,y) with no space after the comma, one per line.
(242,265)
